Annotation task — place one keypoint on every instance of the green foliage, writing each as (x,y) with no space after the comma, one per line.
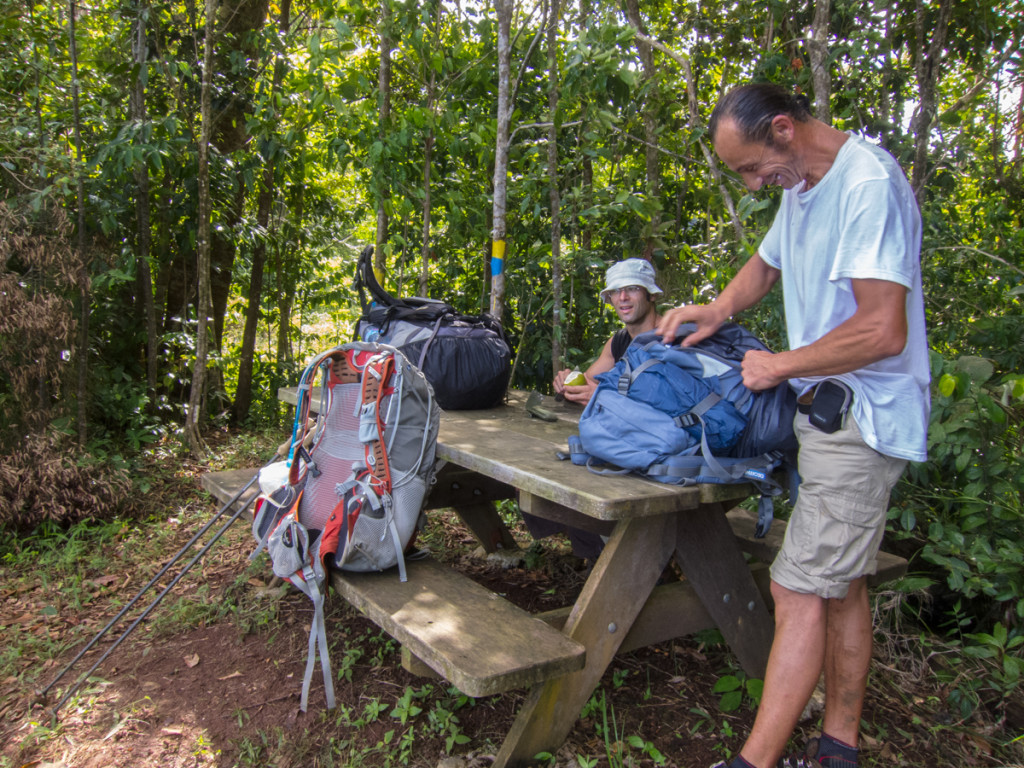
(618,746)
(1001,653)
(964,503)
(735,688)
(961,510)
(405,707)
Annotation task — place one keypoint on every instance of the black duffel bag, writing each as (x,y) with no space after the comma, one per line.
(466,358)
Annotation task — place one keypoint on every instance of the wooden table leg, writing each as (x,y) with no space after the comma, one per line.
(617,589)
(486,525)
(707,553)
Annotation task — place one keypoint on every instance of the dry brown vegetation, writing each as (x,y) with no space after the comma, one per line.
(39,275)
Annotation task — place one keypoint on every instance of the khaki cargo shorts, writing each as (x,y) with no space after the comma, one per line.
(838,520)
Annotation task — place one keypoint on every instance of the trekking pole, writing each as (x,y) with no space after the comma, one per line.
(41,696)
(206,547)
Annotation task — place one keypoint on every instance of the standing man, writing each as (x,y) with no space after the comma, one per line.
(846,243)
(630,289)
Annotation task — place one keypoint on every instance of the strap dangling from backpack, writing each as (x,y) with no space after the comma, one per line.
(309,584)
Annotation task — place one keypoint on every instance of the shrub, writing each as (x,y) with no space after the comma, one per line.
(39,276)
(44,482)
(963,507)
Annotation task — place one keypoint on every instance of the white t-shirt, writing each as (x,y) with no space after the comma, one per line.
(859,222)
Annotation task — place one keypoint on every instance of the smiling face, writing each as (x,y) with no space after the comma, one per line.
(632,304)
(760,163)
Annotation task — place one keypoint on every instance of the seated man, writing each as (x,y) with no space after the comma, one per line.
(630,289)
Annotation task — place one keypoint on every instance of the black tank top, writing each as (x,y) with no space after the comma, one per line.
(620,341)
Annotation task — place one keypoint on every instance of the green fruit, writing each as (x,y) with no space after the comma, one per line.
(575,379)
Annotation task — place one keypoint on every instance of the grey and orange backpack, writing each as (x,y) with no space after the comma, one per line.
(350,494)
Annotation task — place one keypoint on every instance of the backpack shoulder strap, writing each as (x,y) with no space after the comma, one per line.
(620,343)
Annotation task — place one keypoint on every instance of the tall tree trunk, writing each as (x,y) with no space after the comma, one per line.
(503,9)
(818,46)
(581,230)
(885,132)
(428,156)
(428,147)
(1018,131)
(428,152)
(85,293)
(243,391)
(931,42)
(554,196)
(222,261)
(37,98)
(650,118)
(696,128)
(384,126)
(285,303)
(144,278)
(196,444)
(587,233)
(289,259)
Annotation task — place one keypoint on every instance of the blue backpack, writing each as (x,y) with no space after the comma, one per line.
(682,415)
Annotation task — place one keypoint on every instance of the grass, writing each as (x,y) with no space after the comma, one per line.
(49,572)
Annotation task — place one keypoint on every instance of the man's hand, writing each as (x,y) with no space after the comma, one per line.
(706,317)
(759,370)
(750,285)
(580,394)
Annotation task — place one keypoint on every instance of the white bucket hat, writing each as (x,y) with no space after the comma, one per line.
(630,272)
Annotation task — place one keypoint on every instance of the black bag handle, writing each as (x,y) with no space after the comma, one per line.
(415,308)
(366,282)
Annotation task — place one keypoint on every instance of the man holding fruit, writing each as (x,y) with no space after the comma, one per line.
(630,289)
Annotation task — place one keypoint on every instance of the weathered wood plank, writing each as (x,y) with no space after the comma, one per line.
(720,577)
(617,588)
(673,610)
(549,510)
(224,485)
(477,640)
(455,486)
(414,665)
(498,448)
(742,522)
(486,525)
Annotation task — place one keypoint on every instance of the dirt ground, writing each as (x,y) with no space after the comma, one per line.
(226,692)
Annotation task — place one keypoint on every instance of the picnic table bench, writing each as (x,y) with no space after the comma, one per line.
(483,644)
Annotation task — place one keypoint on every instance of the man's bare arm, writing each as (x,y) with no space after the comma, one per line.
(878,329)
(751,284)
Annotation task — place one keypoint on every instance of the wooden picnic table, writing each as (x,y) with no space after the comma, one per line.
(449,625)
(504,451)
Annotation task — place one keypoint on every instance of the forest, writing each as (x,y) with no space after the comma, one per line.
(185,188)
